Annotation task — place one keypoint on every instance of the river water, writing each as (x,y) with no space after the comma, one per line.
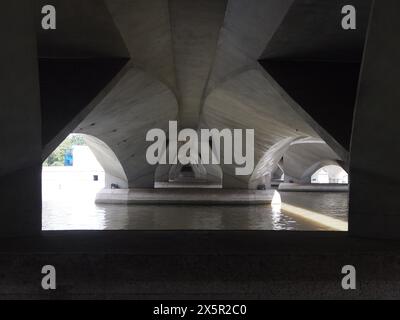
(76,210)
(68,204)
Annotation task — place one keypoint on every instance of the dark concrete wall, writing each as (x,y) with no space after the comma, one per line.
(375,150)
(85,29)
(20,129)
(325,90)
(67,87)
(77,62)
(312,31)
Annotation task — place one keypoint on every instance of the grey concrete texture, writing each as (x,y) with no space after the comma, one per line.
(203,174)
(78,62)
(306,34)
(226,82)
(137,104)
(306,156)
(375,147)
(199,264)
(198,63)
(20,122)
(195,27)
(85,29)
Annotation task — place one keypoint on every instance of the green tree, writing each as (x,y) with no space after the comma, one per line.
(56,158)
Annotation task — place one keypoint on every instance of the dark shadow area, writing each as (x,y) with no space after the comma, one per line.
(67,86)
(325,90)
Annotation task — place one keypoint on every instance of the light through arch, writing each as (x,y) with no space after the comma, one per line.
(330,174)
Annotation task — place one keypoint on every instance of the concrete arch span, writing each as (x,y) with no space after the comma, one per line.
(248,101)
(137,104)
(332,174)
(114,172)
(269,163)
(306,156)
(317,166)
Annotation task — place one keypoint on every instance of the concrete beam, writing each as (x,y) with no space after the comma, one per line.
(145,27)
(195,29)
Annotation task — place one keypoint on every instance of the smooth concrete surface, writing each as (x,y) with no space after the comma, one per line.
(294,42)
(230,89)
(184,196)
(137,104)
(375,149)
(75,73)
(317,187)
(305,157)
(199,265)
(317,63)
(195,27)
(192,62)
(20,121)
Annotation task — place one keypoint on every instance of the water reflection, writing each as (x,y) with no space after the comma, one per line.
(77,212)
(332,204)
(70,206)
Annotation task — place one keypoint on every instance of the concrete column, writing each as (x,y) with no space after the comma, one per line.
(20,122)
(375,148)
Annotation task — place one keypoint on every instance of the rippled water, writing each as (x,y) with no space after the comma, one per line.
(70,206)
(75,210)
(78,215)
(333,204)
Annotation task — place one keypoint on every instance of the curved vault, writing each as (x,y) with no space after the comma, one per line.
(137,104)
(197,62)
(306,156)
(114,172)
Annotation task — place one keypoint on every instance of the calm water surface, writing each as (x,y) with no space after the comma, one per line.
(77,211)
(333,204)
(70,206)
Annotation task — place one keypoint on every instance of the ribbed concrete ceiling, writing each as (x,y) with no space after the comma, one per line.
(318,63)
(197,62)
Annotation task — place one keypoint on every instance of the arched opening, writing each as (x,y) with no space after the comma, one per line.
(315,185)
(331,174)
(72,176)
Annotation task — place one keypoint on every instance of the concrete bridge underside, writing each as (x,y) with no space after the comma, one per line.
(208,64)
(205,64)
